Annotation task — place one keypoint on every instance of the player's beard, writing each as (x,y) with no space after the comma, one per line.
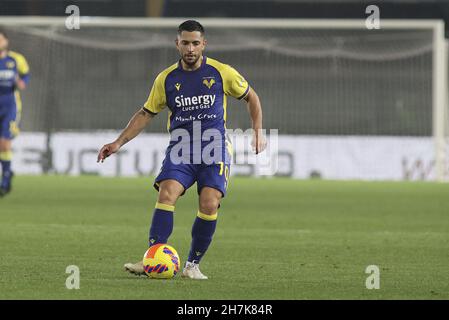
(190,63)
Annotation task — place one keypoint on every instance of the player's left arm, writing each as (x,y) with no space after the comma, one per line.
(254,106)
(23,70)
(236,86)
(20,84)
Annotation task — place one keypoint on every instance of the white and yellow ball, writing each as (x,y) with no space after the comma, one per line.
(161,261)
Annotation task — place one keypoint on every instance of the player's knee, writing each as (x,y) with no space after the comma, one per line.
(167,196)
(5,145)
(169,192)
(209,205)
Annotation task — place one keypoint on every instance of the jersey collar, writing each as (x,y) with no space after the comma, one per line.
(200,68)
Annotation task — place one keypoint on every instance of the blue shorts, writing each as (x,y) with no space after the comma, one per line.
(8,119)
(215,175)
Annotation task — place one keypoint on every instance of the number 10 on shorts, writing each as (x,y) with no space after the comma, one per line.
(224,168)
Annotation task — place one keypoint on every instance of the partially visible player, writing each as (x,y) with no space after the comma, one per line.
(14,76)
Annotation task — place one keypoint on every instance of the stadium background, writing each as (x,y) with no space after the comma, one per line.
(313,82)
(328,91)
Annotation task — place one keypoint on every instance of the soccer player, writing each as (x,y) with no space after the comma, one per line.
(195,90)
(14,76)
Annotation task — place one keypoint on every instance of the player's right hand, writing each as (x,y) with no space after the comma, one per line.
(20,84)
(107,150)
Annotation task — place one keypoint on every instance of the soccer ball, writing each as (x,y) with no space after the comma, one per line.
(161,261)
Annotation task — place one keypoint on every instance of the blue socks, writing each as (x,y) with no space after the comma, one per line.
(5,161)
(202,231)
(162,224)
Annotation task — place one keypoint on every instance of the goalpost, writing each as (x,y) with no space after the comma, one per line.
(320,77)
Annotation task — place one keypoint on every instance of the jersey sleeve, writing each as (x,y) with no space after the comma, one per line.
(22,66)
(156,101)
(234,84)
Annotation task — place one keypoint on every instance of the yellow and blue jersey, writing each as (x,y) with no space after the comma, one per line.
(13,66)
(198,95)
(194,97)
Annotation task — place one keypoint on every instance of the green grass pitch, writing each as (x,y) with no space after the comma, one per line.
(275,239)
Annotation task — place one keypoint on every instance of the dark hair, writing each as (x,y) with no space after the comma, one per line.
(190,26)
(3,33)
